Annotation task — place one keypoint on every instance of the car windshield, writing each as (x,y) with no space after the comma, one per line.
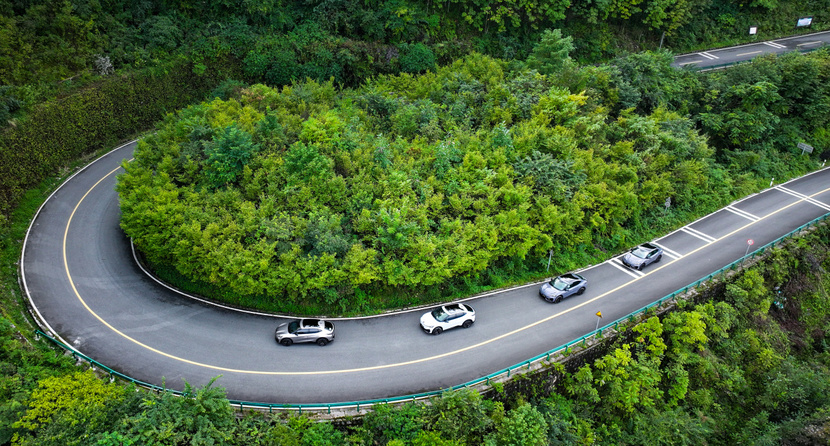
(640,252)
(293,326)
(439,314)
(559,284)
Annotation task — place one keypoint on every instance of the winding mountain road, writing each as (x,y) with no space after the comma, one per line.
(85,287)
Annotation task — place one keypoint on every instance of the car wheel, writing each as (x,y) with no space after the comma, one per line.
(581,290)
(658,258)
(286,342)
(437,330)
(640,267)
(468,323)
(557,300)
(322,342)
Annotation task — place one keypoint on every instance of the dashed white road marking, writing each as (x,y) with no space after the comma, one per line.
(673,254)
(709,55)
(741,213)
(774,45)
(695,233)
(804,197)
(617,263)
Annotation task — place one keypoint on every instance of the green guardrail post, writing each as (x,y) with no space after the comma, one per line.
(584,344)
(508,372)
(329,409)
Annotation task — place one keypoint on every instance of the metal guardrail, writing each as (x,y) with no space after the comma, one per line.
(483,381)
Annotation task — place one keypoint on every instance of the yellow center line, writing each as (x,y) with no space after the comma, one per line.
(386,366)
(747,54)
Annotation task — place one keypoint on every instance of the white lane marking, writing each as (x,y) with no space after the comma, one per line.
(695,233)
(810,43)
(709,55)
(673,254)
(803,197)
(748,54)
(617,263)
(774,45)
(687,63)
(741,213)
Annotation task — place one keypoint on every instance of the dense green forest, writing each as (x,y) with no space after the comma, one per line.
(469,174)
(91,73)
(749,366)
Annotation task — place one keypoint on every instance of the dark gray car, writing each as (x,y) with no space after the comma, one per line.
(642,256)
(305,330)
(562,287)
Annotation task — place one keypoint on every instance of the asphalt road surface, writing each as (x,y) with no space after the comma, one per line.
(79,273)
(726,56)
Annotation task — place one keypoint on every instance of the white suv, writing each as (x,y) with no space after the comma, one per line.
(448,316)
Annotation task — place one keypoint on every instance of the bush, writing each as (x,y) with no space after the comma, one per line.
(416,58)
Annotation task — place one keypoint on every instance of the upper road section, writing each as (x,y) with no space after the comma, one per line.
(735,54)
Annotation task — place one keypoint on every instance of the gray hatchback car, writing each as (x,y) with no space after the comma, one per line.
(562,287)
(305,330)
(642,256)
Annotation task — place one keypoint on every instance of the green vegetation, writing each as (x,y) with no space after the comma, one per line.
(752,366)
(114,54)
(311,199)
(78,77)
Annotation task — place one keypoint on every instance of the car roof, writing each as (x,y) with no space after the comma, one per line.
(571,277)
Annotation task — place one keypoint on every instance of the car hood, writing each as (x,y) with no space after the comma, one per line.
(631,259)
(428,320)
(548,290)
(282,329)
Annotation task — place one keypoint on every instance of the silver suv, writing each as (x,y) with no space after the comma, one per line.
(305,330)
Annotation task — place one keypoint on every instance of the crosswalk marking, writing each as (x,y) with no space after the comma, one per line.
(803,197)
(741,213)
(698,234)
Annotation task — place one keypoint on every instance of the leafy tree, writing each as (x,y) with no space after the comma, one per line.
(231,150)
(552,54)
(416,58)
(200,416)
(522,426)
(72,409)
